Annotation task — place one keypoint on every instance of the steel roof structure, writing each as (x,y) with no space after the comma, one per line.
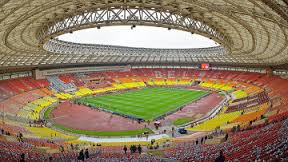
(250,32)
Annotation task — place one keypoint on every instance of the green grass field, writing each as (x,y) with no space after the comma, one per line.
(147,104)
(104,133)
(181,121)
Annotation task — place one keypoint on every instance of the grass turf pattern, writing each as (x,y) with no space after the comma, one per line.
(181,121)
(104,133)
(147,103)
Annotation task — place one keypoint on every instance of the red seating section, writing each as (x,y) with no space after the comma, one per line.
(258,143)
(15,93)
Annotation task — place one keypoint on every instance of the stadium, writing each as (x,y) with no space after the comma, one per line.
(62,100)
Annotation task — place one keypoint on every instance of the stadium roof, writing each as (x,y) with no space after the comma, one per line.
(250,32)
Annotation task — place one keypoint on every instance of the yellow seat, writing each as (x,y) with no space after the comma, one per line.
(218,121)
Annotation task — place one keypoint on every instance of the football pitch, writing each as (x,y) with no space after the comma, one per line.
(147,103)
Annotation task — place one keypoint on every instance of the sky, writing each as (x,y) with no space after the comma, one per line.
(141,36)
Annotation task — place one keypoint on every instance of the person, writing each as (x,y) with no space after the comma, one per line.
(20,137)
(86,154)
(125,149)
(61,148)
(157,146)
(22,157)
(220,158)
(131,149)
(134,148)
(139,149)
(226,137)
(152,141)
(81,156)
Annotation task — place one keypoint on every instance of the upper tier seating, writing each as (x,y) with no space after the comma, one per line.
(16,103)
(59,85)
(16,86)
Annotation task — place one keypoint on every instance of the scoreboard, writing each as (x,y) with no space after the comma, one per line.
(205,66)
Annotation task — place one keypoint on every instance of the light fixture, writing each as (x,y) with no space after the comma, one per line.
(133,26)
